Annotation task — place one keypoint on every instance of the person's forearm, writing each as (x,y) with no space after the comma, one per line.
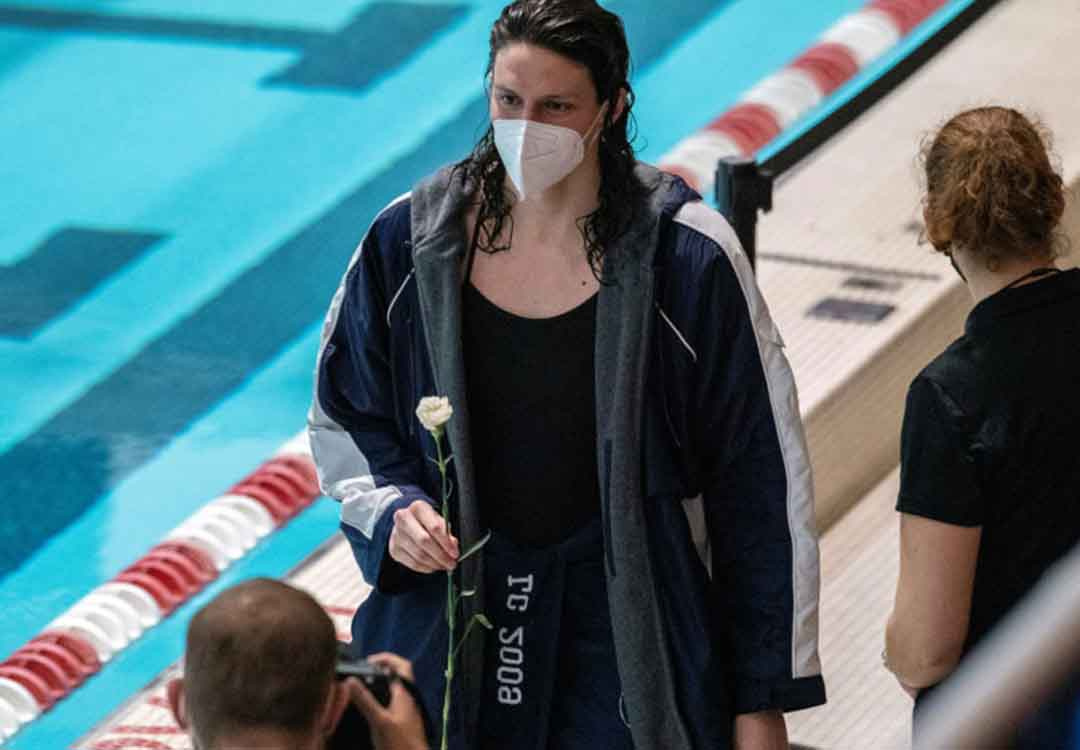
(928,627)
(764,730)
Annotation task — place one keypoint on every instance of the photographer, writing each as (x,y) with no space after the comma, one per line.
(259,672)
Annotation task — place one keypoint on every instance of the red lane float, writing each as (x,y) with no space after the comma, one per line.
(168,578)
(75,671)
(51,672)
(166,598)
(750,125)
(781,99)
(199,561)
(907,13)
(271,500)
(79,649)
(36,686)
(829,64)
(301,464)
(77,643)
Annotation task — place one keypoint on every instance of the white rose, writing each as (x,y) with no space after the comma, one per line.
(433,412)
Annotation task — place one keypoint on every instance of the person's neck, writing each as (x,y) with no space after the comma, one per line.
(551,218)
(983,282)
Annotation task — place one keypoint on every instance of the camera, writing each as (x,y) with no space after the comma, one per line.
(375,677)
(353,732)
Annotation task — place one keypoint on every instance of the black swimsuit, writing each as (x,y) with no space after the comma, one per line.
(551,678)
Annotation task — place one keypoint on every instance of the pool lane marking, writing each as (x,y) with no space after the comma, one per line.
(68,264)
(348,59)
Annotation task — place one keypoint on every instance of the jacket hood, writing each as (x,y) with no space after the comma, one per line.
(439,202)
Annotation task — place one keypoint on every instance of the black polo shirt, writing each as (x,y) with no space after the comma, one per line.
(991,438)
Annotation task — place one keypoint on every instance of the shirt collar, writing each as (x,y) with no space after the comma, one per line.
(1009,302)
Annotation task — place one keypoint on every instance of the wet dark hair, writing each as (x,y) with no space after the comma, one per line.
(991,187)
(581,31)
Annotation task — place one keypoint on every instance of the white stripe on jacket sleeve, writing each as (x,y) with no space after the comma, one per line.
(785,409)
(343,471)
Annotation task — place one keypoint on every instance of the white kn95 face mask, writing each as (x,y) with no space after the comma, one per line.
(537,155)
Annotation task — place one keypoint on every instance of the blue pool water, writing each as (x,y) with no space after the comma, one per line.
(182,185)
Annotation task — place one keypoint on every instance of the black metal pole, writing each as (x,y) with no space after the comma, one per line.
(743,189)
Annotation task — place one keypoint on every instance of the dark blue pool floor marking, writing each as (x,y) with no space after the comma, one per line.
(70,263)
(51,477)
(348,59)
(363,50)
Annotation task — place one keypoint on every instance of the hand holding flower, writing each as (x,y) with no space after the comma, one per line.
(421,541)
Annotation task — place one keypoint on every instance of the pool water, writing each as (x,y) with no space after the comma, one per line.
(182,186)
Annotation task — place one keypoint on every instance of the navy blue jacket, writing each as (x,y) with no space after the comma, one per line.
(719,593)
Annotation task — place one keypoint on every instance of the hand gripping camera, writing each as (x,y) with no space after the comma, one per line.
(352,731)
